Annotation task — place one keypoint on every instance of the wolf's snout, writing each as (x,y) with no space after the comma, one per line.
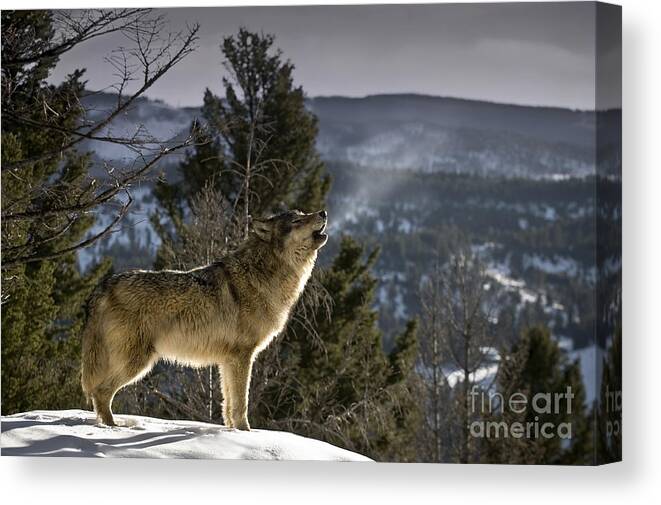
(318,234)
(323,218)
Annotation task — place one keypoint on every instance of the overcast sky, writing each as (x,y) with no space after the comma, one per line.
(530,53)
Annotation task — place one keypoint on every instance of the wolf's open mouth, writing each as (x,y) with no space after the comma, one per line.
(319,232)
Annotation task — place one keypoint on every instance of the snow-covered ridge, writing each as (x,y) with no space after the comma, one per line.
(74,433)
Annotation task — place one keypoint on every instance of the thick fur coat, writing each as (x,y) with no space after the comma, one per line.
(223,314)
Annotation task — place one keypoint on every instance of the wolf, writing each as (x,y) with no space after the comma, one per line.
(222,314)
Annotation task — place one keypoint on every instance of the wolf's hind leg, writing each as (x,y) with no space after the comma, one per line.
(102,397)
(126,373)
(239,369)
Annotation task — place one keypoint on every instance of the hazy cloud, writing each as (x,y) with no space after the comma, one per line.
(528,53)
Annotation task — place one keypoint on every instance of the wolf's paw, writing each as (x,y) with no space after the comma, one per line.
(242,425)
(107,421)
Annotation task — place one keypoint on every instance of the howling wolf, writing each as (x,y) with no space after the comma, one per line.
(223,314)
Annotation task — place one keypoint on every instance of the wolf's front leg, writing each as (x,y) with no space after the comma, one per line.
(227,402)
(239,370)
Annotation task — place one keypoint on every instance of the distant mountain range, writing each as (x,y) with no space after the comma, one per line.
(413,132)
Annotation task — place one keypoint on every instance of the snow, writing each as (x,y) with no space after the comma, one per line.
(405,226)
(564,342)
(153,122)
(484,376)
(481,250)
(400,306)
(550,214)
(74,433)
(559,177)
(556,265)
(142,208)
(501,274)
(391,295)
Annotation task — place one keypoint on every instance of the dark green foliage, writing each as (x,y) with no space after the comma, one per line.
(536,365)
(261,142)
(42,301)
(609,409)
(408,412)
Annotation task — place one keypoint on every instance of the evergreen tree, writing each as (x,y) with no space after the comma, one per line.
(260,153)
(42,301)
(538,366)
(404,437)
(609,408)
(49,195)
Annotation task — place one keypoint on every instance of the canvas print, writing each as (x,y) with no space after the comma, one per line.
(382,233)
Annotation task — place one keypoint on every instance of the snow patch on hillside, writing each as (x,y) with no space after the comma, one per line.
(557,265)
(74,433)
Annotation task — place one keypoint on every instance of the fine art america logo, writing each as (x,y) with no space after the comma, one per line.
(613,412)
(544,406)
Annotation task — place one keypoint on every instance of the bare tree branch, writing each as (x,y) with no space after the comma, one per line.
(74,29)
(163,58)
(37,211)
(80,245)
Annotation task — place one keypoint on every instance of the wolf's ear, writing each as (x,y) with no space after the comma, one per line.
(262,228)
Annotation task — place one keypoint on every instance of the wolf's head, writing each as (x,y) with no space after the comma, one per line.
(293,234)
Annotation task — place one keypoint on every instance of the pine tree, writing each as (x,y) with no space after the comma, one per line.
(404,437)
(541,367)
(42,301)
(609,408)
(260,152)
(49,195)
